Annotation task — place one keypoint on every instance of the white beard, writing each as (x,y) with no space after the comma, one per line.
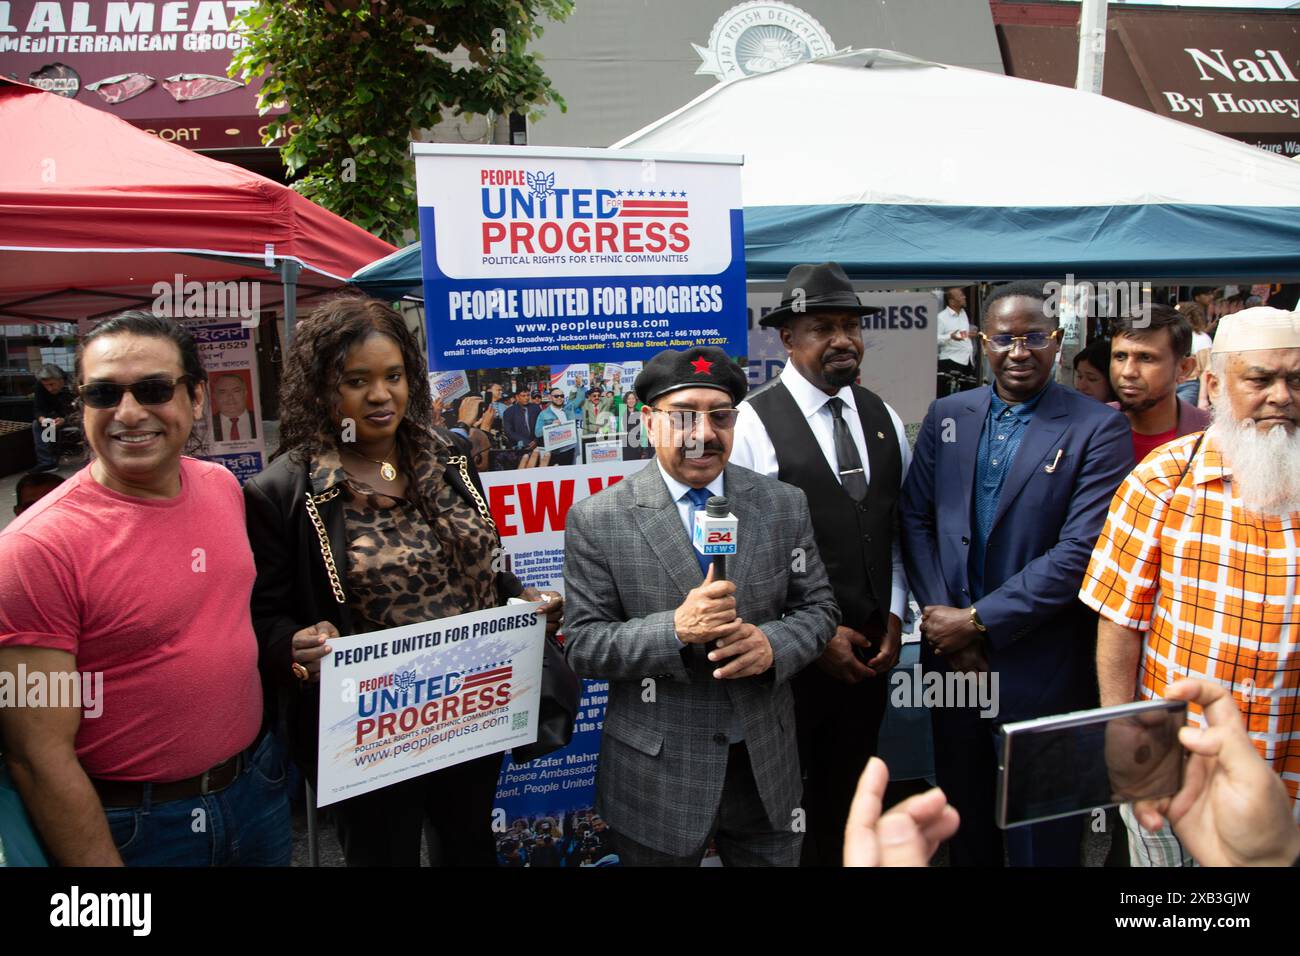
(1265,464)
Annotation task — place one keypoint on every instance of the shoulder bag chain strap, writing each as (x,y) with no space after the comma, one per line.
(460,461)
(325,551)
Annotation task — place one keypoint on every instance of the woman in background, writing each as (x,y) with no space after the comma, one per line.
(1092,371)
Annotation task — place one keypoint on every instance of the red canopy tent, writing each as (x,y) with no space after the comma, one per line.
(93,212)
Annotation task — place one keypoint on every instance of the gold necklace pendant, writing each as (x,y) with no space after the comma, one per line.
(386,470)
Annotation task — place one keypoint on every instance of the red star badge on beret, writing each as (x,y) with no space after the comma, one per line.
(702,366)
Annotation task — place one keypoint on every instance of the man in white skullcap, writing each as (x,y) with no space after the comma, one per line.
(1196,570)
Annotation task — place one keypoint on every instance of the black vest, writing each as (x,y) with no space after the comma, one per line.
(854,539)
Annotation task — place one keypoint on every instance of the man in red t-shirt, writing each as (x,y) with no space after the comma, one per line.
(1148,356)
(125,593)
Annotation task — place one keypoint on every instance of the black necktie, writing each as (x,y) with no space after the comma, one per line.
(846,454)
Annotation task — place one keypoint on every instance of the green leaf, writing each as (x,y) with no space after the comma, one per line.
(358,80)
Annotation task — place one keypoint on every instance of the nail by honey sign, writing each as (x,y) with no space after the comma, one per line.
(1239,85)
(159,66)
(1247,87)
(1232,71)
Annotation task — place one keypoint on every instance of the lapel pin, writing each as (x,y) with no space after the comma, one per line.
(1051,469)
(880,435)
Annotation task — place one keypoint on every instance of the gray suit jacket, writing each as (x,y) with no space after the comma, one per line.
(628,564)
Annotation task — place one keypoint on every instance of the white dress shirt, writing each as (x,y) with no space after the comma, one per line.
(961,351)
(753,450)
(245,427)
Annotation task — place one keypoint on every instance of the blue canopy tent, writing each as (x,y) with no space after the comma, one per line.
(908,172)
(395,276)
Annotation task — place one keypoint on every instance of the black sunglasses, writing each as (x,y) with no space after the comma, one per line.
(147,391)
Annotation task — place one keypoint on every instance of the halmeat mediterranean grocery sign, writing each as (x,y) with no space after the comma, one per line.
(161,66)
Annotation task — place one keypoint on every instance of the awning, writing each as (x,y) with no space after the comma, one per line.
(94,212)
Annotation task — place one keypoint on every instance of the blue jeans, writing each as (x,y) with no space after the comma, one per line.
(47,453)
(246,824)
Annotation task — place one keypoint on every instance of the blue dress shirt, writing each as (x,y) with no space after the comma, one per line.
(1004,429)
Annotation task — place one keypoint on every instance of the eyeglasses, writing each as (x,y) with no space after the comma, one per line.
(723,419)
(1034,341)
(147,391)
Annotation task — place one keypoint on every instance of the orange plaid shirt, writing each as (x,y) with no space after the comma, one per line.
(1212,586)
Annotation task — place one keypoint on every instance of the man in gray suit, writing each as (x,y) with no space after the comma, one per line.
(699,736)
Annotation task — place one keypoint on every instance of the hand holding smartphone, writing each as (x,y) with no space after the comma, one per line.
(1075,763)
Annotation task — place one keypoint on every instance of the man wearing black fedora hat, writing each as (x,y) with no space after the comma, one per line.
(814,428)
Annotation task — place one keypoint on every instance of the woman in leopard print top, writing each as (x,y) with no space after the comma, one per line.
(368,518)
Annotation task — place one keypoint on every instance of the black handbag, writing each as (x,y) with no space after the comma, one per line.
(561,691)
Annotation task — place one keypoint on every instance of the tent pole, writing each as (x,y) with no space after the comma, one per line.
(289,270)
(1092,46)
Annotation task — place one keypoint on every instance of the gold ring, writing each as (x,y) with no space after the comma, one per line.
(301,672)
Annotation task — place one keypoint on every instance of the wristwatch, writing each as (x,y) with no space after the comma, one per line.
(975,619)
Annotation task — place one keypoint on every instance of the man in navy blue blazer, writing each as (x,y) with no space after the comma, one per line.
(1005,499)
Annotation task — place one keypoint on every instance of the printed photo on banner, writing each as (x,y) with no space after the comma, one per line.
(232,415)
(498,411)
(406,701)
(448,386)
(505,413)
(600,452)
(529,253)
(569,838)
(621,376)
(570,377)
(230,408)
(560,435)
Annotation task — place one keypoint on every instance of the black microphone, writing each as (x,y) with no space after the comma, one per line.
(714,536)
(717,507)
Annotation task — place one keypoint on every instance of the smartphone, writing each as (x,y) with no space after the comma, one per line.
(1075,763)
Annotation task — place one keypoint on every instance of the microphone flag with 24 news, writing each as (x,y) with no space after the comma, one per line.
(715,534)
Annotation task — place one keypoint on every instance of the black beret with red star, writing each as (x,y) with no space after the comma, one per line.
(705,366)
